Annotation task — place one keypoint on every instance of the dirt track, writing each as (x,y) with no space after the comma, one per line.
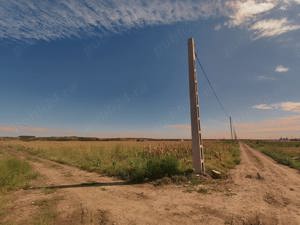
(258,187)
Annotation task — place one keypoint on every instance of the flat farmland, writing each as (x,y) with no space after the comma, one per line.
(147,182)
(132,160)
(284,152)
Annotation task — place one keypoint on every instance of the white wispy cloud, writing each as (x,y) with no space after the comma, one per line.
(217,27)
(245,11)
(48,20)
(273,27)
(35,19)
(284,106)
(258,17)
(265,78)
(262,106)
(281,69)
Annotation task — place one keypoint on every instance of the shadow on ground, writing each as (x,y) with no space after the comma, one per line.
(80,185)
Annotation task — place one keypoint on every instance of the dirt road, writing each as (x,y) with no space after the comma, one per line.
(259,189)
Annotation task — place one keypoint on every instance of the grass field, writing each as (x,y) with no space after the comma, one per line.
(14,174)
(132,160)
(287,153)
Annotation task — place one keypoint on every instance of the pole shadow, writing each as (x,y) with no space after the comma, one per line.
(81,185)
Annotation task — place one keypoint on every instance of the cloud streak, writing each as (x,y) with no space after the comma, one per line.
(49,20)
(273,128)
(258,16)
(46,20)
(272,27)
(284,106)
(245,11)
(281,69)
(14,130)
(265,78)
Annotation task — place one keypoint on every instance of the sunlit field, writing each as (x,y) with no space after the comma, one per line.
(287,153)
(14,173)
(132,160)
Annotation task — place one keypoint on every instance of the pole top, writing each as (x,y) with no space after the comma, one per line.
(191,39)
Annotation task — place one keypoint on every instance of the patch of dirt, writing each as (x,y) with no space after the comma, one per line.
(258,186)
(256,219)
(274,201)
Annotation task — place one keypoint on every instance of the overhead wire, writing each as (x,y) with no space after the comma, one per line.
(211,86)
(213,89)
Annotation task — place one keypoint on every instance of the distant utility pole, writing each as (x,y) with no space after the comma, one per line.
(235,136)
(231,131)
(197,142)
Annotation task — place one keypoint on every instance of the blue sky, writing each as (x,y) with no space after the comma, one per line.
(119,68)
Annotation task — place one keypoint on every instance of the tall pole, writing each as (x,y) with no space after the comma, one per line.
(197,142)
(235,135)
(231,131)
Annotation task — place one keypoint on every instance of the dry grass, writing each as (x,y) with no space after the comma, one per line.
(14,174)
(47,211)
(131,160)
(287,153)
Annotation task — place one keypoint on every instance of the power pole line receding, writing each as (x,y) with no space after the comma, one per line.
(197,142)
(231,130)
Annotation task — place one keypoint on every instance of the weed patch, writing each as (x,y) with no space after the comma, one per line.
(47,212)
(14,173)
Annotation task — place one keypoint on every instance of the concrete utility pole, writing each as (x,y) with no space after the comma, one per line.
(197,143)
(235,136)
(231,131)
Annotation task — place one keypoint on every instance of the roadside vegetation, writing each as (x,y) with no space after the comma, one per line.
(47,211)
(14,174)
(132,160)
(286,153)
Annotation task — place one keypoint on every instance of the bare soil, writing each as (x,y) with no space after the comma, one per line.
(259,191)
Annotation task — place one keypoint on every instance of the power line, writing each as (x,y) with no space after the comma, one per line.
(211,86)
(215,93)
